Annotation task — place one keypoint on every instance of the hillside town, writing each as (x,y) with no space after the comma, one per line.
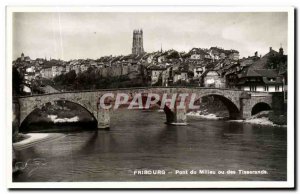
(202,67)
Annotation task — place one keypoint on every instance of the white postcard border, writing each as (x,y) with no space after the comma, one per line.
(162,184)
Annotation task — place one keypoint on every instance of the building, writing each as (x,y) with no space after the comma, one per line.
(137,42)
(68,68)
(29,77)
(83,67)
(156,73)
(234,55)
(61,69)
(197,53)
(55,71)
(261,80)
(264,75)
(231,74)
(217,53)
(180,76)
(213,79)
(46,72)
(246,62)
(198,70)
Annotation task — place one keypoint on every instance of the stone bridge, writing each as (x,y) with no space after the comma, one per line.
(240,104)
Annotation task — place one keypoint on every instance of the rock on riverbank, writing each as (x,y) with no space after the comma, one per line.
(267,118)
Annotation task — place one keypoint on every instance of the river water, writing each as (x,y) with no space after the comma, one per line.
(141,141)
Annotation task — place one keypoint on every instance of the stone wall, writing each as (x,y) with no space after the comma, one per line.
(247,104)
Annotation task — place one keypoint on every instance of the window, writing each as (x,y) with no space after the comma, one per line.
(266,88)
(252,88)
(276,88)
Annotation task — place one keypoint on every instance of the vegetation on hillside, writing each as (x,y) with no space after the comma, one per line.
(91,79)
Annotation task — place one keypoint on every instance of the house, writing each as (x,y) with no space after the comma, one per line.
(93,64)
(156,73)
(215,53)
(161,58)
(234,55)
(246,62)
(231,74)
(180,76)
(40,61)
(197,54)
(37,74)
(55,71)
(261,80)
(61,70)
(29,77)
(262,75)
(30,69)
(46,72)
(68,68)
(212,78)
(150,58)
(134,71)
(83,67)
(198,70)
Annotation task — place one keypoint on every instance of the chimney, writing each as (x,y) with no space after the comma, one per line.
(271,49)
(281,51)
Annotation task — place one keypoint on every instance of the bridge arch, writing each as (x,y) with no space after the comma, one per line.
(232,105)
(25,114)
(260,106)
(171,116)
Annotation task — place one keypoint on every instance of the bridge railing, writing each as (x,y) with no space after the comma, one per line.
(135,88)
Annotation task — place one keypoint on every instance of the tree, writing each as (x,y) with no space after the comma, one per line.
(277,61)
(70,77)
(18,79)
(173,55)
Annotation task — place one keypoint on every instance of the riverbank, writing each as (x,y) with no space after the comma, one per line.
(258,121)
(265,118)
(35,138)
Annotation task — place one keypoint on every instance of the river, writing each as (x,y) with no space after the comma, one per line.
(141,141)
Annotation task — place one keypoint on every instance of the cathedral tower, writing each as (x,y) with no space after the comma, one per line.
(137,42)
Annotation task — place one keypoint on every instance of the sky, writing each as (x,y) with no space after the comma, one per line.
(82,35)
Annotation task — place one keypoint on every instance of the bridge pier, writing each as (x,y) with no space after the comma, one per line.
(176,116)
(245,105)
(103,118)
